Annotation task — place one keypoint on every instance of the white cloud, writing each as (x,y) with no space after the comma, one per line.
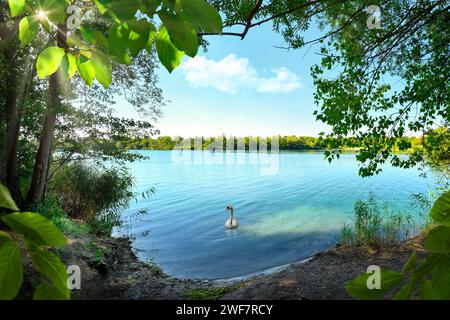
(285,81)
(232,74)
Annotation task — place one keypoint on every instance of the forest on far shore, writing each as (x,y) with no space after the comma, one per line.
(291,142)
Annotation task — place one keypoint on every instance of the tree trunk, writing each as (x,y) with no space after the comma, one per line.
(38,182)
(12,136)
(37,186)
(8,37)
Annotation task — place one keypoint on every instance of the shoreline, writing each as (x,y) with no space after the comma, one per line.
(266,272)
(120,275)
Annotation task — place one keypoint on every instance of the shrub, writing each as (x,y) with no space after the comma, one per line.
(375,225)
(50,207)
(94,195)
(429,279)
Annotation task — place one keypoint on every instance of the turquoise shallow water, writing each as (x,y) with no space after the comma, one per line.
(283,217)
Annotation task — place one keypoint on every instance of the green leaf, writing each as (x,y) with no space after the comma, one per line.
(87,35)
(4,237)
(99,39)
(11,274)
(358,286)
(17,7)
(410,263)
(440,212)
(68,66)
(28,30)
(425,267)
(426,291)
(85,69)
(74,41)
(168,54)
(440,281)
(6,201)
(150,7)
(118,43)
(55,10)
(35,227)
(151,38)
(139,36)
(48,61)
(47,292)
(125,10)
(200,13)
(102,5)
(102,67)
(181,33)
(438,240)
(50,266)
(405,292)
(170,4)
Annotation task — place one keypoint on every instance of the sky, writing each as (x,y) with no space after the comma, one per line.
(240,88)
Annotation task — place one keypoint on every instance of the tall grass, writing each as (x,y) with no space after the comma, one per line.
(94,195)
(375,225)
(50,207)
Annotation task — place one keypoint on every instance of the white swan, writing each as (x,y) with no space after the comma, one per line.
(231,223)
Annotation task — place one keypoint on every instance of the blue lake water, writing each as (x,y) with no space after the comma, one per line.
(285,216)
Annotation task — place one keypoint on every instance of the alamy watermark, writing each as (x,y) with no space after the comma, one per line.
(262,152)
(374,280)
(74,277)
(374,19)
(73,18)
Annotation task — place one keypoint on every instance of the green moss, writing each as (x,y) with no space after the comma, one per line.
(209,294)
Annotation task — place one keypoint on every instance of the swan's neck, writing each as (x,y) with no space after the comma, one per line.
(231,216)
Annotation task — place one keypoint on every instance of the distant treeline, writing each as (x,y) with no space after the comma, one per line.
(251,143)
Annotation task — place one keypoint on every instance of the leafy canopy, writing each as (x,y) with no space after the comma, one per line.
(131,29)
(375,84)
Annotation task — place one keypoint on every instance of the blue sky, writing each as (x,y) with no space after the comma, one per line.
(240,88)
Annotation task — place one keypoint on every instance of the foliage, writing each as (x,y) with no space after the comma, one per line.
(284,143)
(90,51)
(86,127)
(98,252)
(50,207)
(375,225)
(93,195)
(104,223)
(430,278)
(36,233)
(375,84)
(359,98)
(437,148)
(115,44)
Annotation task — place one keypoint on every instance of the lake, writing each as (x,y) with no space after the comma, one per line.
(285,215)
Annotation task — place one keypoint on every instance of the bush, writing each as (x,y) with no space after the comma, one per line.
(374,225)
(93,195)
(50,208)
(427,279)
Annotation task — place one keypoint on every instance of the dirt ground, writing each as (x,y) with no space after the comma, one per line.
(110,270)
(321,278)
